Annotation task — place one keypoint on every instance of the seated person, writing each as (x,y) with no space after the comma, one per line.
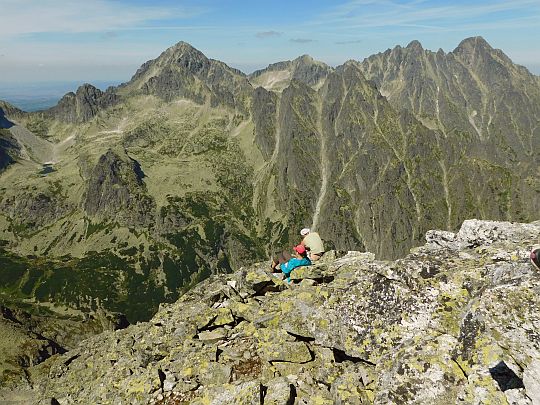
(313,243)
(287,264)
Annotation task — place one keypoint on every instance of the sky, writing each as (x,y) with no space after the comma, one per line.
(107,40)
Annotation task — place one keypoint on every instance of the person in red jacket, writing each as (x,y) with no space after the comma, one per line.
(287,264)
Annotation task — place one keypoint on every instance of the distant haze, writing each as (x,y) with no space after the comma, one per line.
(34,96)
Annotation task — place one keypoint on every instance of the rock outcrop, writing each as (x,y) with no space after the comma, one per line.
(456,320)
(83,105)
(32,211)
(116,191)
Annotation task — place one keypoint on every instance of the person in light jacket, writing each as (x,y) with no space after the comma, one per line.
(313,243)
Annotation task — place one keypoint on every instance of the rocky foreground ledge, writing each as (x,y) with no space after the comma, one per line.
(456,321)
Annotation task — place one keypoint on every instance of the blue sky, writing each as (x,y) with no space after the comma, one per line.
(59,40)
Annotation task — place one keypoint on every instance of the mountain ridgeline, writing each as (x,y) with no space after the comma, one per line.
(126,198)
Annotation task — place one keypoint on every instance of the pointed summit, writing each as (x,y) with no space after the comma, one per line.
(414,48)
(469,44)
(84,104)
(415,45)
(181,45)
(182,54)
(305,59)
(183,71)
(476,51)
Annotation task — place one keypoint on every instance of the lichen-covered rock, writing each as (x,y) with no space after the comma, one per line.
(278,391)
(456,321)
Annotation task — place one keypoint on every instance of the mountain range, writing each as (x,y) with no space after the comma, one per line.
(122,199)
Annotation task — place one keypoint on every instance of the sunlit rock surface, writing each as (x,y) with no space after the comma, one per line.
(455,321)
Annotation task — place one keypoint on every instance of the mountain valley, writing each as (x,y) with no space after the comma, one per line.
(116,201)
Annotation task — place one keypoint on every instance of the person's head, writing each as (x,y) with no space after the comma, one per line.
(300,250)
(305,231)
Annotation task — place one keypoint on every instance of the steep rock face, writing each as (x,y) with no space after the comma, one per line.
(83,105)
(297,163)
(8,110)
(344,159)
(378,161)
(484,110)
(263,110)
(116,191)
(9,149)
(455,320)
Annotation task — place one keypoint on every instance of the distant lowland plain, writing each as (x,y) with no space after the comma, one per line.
(36,96)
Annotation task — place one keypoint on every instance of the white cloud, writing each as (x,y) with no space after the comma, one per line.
(68,16)
(389,13)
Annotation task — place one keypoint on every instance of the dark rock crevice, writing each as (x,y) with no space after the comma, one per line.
(505,377)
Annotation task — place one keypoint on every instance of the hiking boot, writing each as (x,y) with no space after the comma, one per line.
(535,257)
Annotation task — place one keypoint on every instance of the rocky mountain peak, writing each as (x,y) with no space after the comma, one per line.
(415,45)
(185,55)
(183,71)
(87,89)
(83,105)
(9,110)
(415,48)
(279,75)
(473,43)
(180,54)
(182,47)
(304,59)
(492,65)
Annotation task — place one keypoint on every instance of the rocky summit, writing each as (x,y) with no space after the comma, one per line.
(455,321)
